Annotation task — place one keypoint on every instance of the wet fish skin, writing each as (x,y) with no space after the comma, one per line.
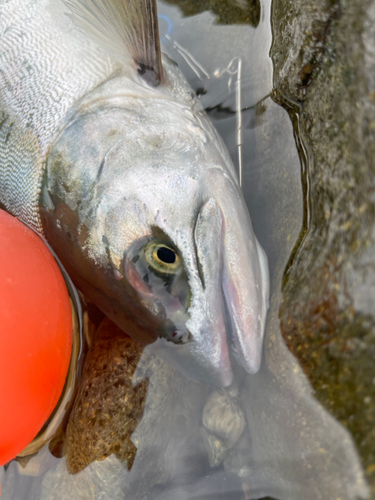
(119,166)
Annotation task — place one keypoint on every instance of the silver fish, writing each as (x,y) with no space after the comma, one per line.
(106,150)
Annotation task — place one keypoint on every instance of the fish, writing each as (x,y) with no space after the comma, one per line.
(107,152)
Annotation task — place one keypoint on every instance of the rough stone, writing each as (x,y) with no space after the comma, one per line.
(226,11)
(324,58)
(108,408)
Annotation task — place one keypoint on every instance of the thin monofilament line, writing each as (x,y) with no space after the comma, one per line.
(239,119)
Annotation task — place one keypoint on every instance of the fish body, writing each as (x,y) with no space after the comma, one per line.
(46,66)
(132,187)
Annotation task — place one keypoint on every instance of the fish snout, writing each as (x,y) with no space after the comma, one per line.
(228,315)
(245,283)
(227,272)
(207,317)
(205,356)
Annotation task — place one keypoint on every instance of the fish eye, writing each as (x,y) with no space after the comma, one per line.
(166,255)
(162,258)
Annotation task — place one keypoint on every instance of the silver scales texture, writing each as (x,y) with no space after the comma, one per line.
(46,65)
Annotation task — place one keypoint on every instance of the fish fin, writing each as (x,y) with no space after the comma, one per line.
(127,28)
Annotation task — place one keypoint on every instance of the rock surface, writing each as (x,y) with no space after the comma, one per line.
(226,11)
(324,58)
(108,408)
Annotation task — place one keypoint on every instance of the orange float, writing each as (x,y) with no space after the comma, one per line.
(35,335)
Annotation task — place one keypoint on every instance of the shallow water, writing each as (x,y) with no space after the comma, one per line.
(208,53)
(265,436)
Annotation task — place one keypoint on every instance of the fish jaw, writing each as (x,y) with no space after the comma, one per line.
(245,278)
(246,297)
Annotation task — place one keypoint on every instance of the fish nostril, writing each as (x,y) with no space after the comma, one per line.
(208,233)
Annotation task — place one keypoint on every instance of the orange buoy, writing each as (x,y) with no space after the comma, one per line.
(35,335)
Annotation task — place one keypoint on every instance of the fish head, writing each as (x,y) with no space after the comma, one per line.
(162,239)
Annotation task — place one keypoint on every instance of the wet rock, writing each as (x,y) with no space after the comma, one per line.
(165,442)
(324,58)
(108,407)
(226,11)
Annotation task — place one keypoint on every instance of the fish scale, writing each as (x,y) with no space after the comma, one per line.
(46,65)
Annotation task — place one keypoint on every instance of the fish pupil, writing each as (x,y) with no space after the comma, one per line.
(166,255)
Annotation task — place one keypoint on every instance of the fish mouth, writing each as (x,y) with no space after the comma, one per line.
(246,292)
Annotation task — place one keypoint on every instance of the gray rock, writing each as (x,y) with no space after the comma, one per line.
(324,59)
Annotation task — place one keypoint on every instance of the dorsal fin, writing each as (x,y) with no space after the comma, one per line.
(128,28)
